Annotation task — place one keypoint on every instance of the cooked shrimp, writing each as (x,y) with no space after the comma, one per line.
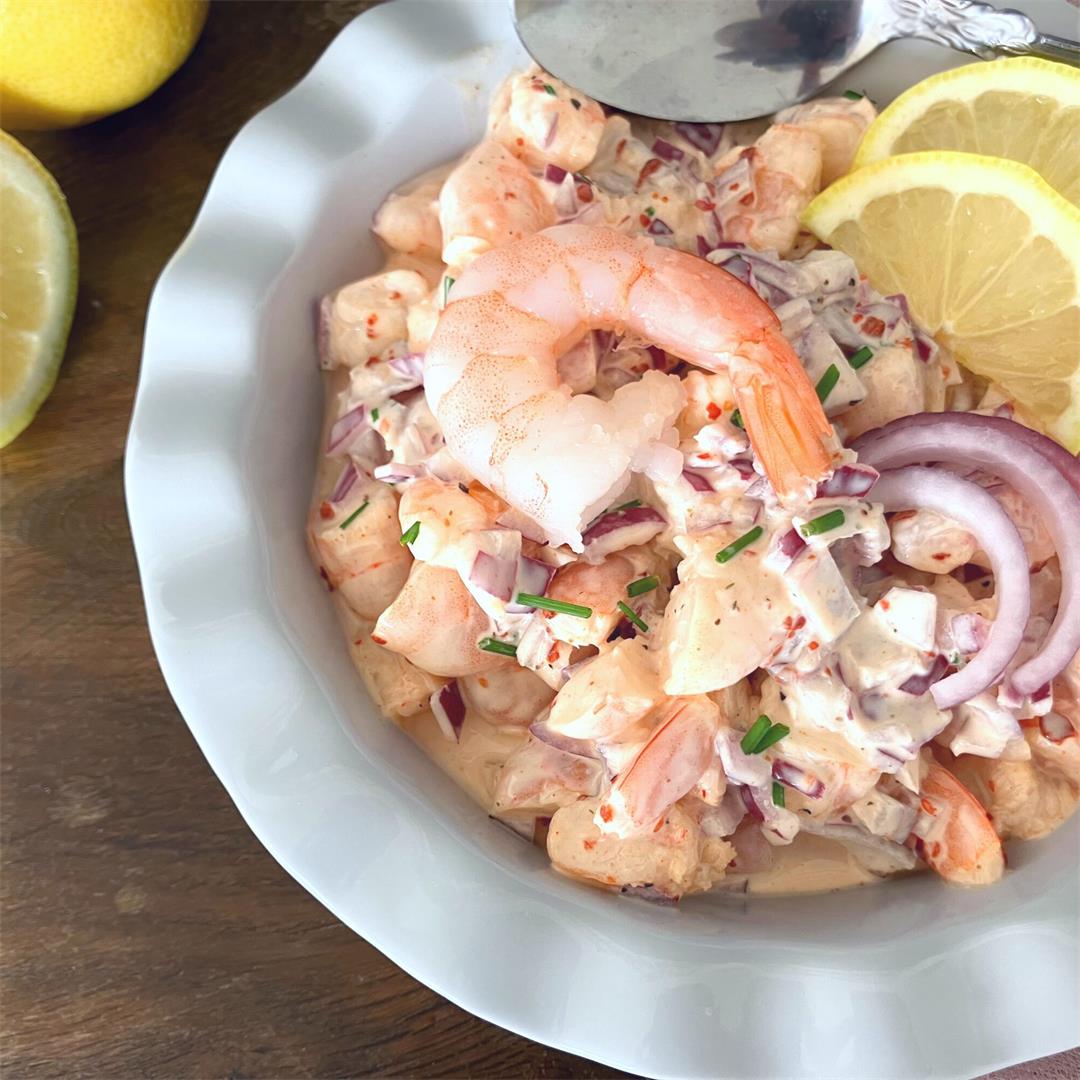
(490,200)
(678,751)
(492,380)
(408,222)
(784,175)
(510,696)
(366,319)
(674,859)
(357,546)
(840,123)
(446,516)
(599,587)
(397,686)
(541,120)
(541,778)
(435,623)
(609,694)
(958,840)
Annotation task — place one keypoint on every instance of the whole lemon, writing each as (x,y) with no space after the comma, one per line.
(67,62)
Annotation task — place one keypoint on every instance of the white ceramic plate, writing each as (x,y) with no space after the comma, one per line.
(911,979)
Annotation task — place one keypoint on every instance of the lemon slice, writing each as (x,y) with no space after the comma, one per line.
(1024,109)
(38,278)
(988,255)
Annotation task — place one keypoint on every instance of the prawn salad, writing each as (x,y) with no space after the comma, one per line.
(685,552)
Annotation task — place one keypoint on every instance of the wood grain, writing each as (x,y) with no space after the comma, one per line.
(145,931)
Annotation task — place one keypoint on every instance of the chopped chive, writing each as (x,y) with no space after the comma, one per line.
(736,546)
(633,616)
(374,414)
(650,212)
(561,607)
(773,735)
(355,514)
(504,648)
(861,357)
(551,89)
(410,534)
(574,101)
(853,95)
(826,523)
(778,793)
(447,285)
(827,382)
(757,730)
(642,586)
(736,419)
(633,504)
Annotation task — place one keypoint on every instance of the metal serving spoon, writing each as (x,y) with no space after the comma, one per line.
(735,59)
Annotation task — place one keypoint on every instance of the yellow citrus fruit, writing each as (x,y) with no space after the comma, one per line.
(1024,109)
(988,255)
(38,281)
(67,62)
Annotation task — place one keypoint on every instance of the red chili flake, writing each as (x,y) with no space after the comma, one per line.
(705,205)
(787,622)
(659,825)
(372,319)
(553,654)
(747,199)
(713,411)
(941,556)
(935,848)
(991,785)
(648,169)
(606,813)
(378,640)
(584,192)
(395,295)
(588,844)
(482,681)
(644,219)
(812,646)
(929,807)
(371,334)
(510,195)
(520,142)
(828,671)
(800,622)
(375,566)
(733,186)
(326,511)
(874,327)
(857,317)
(884,605)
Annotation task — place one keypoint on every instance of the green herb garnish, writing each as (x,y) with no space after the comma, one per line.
(633,504)
(650,212)
(736,419)
(773,735)
(827,382)
(861,357)
(503,648)
(633,616)
(447,285)
(777,793)
(736,546)
(355,514)
(642,586)
(853,95)
(374,414)
(826,523)
(410,534)
(551,89)
(561,607)
(757,729)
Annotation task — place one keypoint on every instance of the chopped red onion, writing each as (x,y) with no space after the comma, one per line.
(969,631)
(968,504)
(751,803)
(323,310)
(704,137)
(919,684)
(663,149)
(697,481)
(1043,474)
(1056,727)
(449,710)
(345,428)
(658,228)
(348,477)
(533,577)
(790,543)
(703,246)
(585,748)
(410,366)
(494,576)
(555,174)
(394,472)
(550,137)
(799,779)
(852,481)
(618,529)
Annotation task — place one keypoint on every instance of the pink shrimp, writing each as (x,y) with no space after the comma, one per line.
(492,375)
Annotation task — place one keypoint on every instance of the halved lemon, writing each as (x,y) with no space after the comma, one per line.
(38,281)
(988,255)
(1024,109)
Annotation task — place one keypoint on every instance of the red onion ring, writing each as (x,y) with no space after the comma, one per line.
(916,487)
(1029,463)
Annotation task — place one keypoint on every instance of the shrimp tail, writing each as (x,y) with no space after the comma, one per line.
(784,420)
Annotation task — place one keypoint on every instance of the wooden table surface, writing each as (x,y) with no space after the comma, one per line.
(145,931)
